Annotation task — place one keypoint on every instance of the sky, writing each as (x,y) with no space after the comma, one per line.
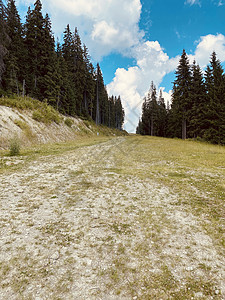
(139,41)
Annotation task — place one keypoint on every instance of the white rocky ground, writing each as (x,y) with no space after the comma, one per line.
(34,131)
(75,227)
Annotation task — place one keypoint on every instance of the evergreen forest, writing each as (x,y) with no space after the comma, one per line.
(33,64)
(198,104)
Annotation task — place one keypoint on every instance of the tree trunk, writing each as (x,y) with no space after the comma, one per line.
(152,127)
(184,129)
(97,107)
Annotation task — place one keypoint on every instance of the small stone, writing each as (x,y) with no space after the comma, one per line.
(135,298)
(217,292)
(55,256)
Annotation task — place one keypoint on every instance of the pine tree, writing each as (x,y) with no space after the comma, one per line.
(14,60)
(154,116)
(35,34)
(162,116)
(78,73)
(100,97)
(68,56)
(89,83)
(66,92)
(180,97)
(198,101)
(48,82)
(4,39)
(216,101)
(152,109)
(119,113)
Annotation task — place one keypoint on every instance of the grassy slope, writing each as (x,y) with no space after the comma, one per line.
(193,171)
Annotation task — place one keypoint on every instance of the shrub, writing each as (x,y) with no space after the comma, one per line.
(68,122)
(37,116)
(14,147)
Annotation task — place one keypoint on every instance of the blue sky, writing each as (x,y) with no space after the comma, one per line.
(137,41)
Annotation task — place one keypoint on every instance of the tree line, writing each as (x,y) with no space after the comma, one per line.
(198,104)
(32,64)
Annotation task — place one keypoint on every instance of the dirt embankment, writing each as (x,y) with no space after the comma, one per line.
(22,125)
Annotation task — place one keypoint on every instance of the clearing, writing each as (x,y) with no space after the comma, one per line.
(113,218)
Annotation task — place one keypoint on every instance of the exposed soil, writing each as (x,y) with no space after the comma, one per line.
(75,226)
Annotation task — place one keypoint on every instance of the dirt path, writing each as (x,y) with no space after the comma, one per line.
(75,227)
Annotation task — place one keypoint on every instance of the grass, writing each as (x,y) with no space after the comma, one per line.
(42,112)
(141,252)
(193,170)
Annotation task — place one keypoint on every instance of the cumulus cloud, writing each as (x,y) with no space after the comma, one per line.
(104,25)
(132,84)
(207,45)
(153,64)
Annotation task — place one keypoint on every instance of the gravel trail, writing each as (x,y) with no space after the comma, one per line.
(75,226)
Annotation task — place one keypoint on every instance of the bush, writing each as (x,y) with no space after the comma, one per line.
(42,112)
(14,147)
(37,116)
(68,122)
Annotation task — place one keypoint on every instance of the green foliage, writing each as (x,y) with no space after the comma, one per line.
(198,105)
(65,77)
(42,112)
(154,114)
(46,114)
(14,148)
(68,122)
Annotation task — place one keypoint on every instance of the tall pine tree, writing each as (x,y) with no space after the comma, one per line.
(216,101)
(4,39)
(14,59)
(181,101)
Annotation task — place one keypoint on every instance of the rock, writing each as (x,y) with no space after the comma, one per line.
(55,256)
(217,292)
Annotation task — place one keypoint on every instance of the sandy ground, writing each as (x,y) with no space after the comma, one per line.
(74,227)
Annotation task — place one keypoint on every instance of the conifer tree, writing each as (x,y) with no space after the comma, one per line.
(34,29)
(48,82)
(198,101)
(68,56)
(78,73)
(180,97)
(14,59)
(100,96)
(66,92)
(89,83)
(4,39)
(119,113)
(162,116)
(216,101)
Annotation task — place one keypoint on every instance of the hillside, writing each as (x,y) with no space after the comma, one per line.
(126,218)
(33,122)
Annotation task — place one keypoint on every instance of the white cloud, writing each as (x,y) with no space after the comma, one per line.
(104,25)
(112,25)
(207,45)
(132,84)
(153,64)
(192,2)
